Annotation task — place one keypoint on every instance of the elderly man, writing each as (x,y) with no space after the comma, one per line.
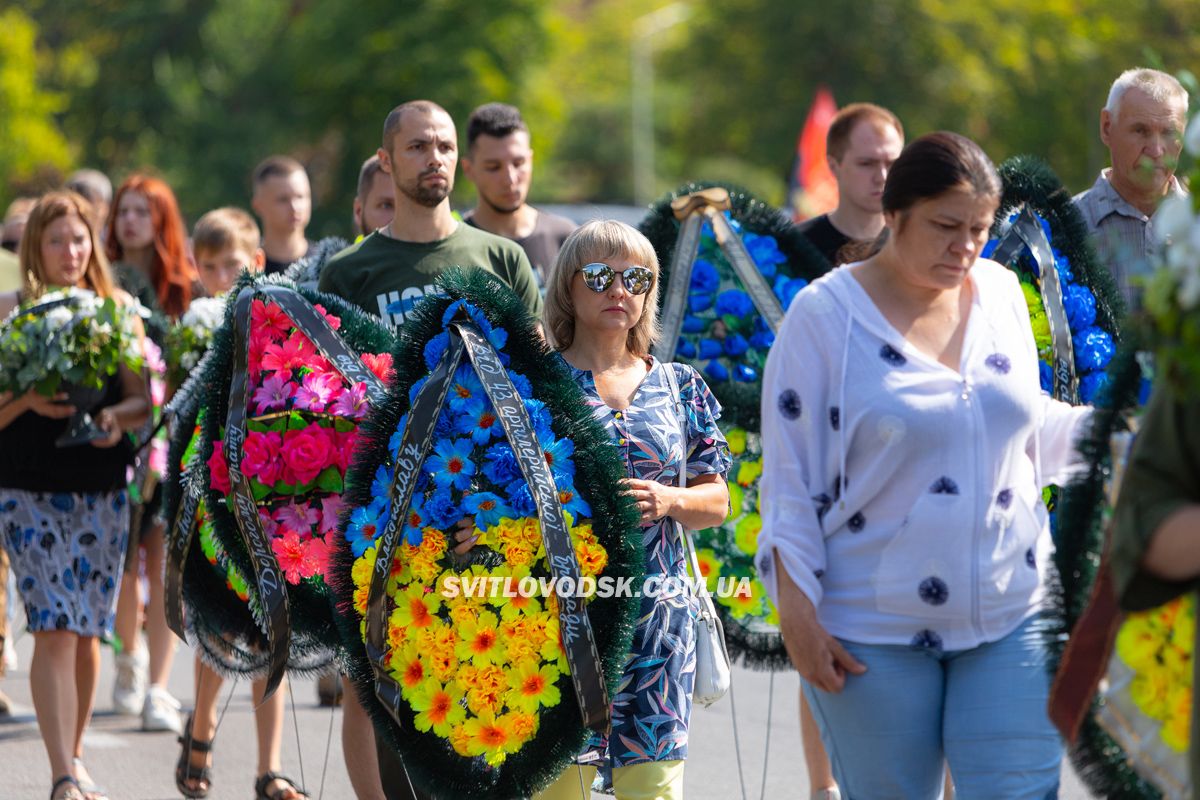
(1142,125)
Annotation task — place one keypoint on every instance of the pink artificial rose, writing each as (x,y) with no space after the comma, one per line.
(346,442)
(307,452)
(218,470)
(261,458)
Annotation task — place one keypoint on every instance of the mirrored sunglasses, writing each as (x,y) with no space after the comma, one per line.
(598,277)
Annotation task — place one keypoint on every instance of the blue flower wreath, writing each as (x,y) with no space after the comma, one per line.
(1093,346)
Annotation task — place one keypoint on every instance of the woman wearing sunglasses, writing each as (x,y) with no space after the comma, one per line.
(602,316)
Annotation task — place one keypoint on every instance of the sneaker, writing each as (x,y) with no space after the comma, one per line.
(161,712)
(831,793)
(129,690)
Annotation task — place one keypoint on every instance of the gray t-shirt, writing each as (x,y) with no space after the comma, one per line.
(542,244)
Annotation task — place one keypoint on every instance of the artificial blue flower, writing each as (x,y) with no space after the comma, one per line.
(1144,391)
(685,348)
(488,508)
(765,252)
(451,464)
(520,383)
(1045,223)
(539,415)
(1094,348)
(558,455)
(521,499)
(705,278)
(496,336)
(762,340)
(699,302)
(464,387)
(444,427)
(572,502)
(500,464)
(1091,384)
(744,374)
(435,348)
(478,420)
(1046,376)
(989,248)
(366,523)
(734,302)
(710,348)
(1063,266)
(694,324)
(716,370)
(736,345)
(381,486)
(415,520)
(787,288)
(441,509)
(1080,305)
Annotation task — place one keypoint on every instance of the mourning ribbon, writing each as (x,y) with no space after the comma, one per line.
(269,583)
(1027,232)
(692,210)
(577,636)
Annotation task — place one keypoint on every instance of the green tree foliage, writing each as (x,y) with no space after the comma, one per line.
(31,145)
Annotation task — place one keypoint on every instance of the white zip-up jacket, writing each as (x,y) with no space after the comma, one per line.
(904,497)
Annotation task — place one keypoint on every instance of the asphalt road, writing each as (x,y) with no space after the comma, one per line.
(139,766)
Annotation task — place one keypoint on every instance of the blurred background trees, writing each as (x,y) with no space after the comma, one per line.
(200,90)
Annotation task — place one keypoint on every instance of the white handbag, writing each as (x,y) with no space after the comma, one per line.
(712,659)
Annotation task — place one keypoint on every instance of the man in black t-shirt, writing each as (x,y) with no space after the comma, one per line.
(282,199)
(863,141)
(499,161)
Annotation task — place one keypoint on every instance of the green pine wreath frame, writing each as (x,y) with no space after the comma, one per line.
(740,402)
(222,614)
(561,735)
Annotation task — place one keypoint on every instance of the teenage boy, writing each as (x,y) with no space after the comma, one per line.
(283,201)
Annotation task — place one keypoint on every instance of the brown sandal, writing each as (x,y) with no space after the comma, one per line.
(72,791)
(290,792)
(186,772)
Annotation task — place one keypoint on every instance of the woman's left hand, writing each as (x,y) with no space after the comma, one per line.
(106,420)
(654,500)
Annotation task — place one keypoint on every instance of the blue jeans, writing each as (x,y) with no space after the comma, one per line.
(890,731)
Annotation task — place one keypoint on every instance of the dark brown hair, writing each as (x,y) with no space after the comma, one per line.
(391,125)
(935,164)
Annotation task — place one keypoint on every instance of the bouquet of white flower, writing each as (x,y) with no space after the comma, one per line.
(189,338)
(70,340)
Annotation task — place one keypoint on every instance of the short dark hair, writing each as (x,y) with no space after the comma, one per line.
(837,140)
(275,167)
(391,125)
(494,119)
(933,165)
(366,176)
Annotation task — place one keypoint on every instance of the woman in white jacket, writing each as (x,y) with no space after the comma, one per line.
(905,443)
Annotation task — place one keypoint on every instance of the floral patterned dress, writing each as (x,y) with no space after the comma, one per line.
(653,702)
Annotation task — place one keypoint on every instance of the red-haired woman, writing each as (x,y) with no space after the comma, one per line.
(147,244)
(64,515)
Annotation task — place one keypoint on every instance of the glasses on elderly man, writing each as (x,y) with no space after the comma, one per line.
(598,277)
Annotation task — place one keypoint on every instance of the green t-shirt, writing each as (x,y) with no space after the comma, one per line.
(380,271)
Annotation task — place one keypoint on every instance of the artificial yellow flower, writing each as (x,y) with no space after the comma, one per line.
(1149,691)
(736,438)
(417,606)
(485,687)
(710,567)
(524,726)
(748,472)
(532,686)
(592,558)
(490,736)
(1138,643)
(437,643)
(746,600)
(745,533)
(437,706)
(479,640)
(460,740)
(737,496)
(1176,732)
(406,667)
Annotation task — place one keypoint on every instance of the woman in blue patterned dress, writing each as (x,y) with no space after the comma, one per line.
(602,315)
(64,514)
